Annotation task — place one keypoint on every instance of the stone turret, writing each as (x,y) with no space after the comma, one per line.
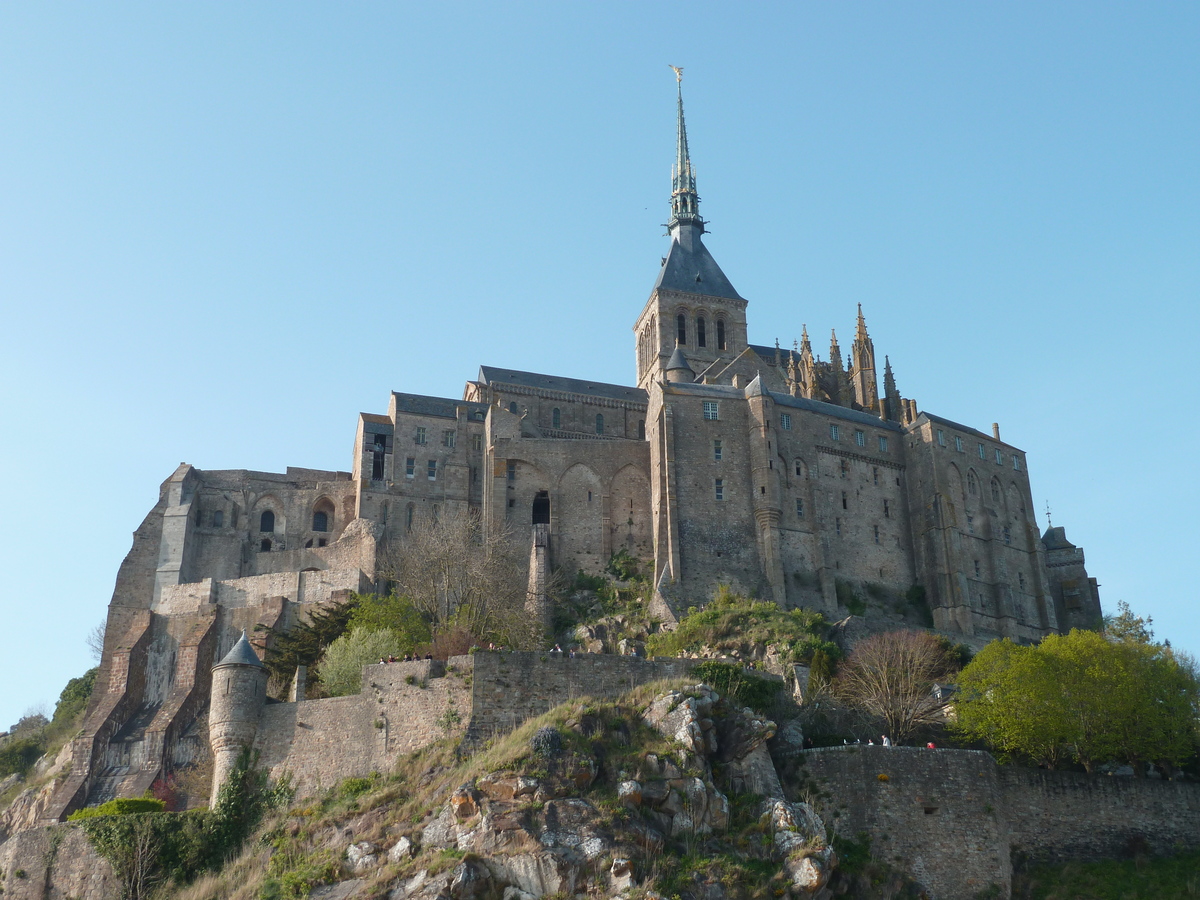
(239,692)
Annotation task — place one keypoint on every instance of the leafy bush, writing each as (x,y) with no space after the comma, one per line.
(739,684)
(19,754)
(622,566)
(585,582)
(546,742)
(74,696)
(731,621)
(303,644)
(122,806)
(340,668)
(391,613)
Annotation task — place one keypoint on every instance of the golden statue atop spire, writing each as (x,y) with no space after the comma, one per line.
(678,72)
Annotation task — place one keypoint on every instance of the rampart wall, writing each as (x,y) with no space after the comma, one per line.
(958,819)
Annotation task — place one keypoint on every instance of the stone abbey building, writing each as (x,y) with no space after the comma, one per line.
(790,477)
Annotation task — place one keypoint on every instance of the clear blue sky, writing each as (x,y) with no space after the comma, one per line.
(228,228)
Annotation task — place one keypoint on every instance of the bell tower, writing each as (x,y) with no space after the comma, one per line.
(693,306)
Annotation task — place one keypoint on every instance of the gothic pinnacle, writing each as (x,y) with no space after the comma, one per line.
(685,203)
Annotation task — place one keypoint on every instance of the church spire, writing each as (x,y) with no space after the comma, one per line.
(685,202)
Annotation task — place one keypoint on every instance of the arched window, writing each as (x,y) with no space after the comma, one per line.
(266,522)
(972,484)
(599,423)
(512,407)
(995,491)
(320,520)
(409,511)
(701,332)
(641,429)
(681,330)
(720,334)
(556,418)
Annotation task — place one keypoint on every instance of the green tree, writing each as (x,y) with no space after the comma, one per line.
(392,613)
(1082,696)
(341,666)
(303,644)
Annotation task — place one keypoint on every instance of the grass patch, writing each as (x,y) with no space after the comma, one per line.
(1140,878)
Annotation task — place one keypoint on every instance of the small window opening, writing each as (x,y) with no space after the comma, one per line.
(877,534)
(701,333)
(887,509)
(599,423)
(641,429)
(321,542)
(218,518)
(512,407)
(717,451)
(320,521)
(799,508)
(556,418)
(265,546)
(844,501)
(266,522)
(720,334)
(510,471)
(681,330)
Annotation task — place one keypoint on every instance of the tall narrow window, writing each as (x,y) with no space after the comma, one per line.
(701,332)
(720,334)
(941,438)
(877,534)
(716,451)
(882,444)
(958,444)
(799,508)
(1016,463)
(512,407)
(320,521)
(860,439)
(785,421)
(266,522)
(837,526)
(510,471)
(477,443)
(599,423)
(835,433)
(681,330)
(999,458)
(875,474)
(719,485)
(431,469)
(218,518)
(844,501)
(845,468)
(410,467)
(1007,534)
(972,484)
(887,510)
(419,438)
(641,429)
(982,452)
(449,439)
(799,469)
(556,418)
(977,571)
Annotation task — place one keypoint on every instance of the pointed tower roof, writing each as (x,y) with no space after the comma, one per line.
(678,363)
(688,267)
(242,654)
(860,333)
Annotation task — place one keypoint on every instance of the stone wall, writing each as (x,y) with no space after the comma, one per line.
(957,819)
(509,688)
(54,863)
(1072,815)
(323,741)
(938,810)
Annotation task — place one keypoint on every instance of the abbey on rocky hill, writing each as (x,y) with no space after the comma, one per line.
(785,476)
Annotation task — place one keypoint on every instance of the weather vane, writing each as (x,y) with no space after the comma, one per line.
(678,72)
(1049,521)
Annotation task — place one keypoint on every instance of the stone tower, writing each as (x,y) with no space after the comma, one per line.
(239,692)
(693,305)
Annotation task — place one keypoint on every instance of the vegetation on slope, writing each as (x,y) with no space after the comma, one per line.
(1139,878)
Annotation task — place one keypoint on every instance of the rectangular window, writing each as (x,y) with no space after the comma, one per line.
(799,508)
(1007,535)
(785,421)
(999,458)
(719,486)
(970,524)
(510,471)
(958,444)
(477,443)
(420,436)
(431,469)
(982,452)
(844,506)
(877,534)
(941,438)
(883,444)
(218,518)
(1016,463)
(448,439)
(860,439)
(887,510)
(716,451)
(834,433)
(710,410)
(410,467)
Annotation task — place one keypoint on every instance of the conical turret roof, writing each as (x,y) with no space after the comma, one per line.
(678,362)
(242,654)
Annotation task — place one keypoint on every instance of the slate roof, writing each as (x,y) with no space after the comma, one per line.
(694,271)
(242,654)
(830,409)
(1055,538)
(678,362)
(960,427)
(497,376)
(442,407)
